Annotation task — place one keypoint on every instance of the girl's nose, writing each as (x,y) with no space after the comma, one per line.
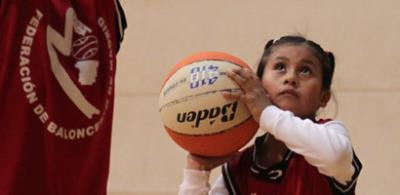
(290,79)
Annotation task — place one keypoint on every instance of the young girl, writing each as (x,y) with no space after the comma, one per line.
(297,155)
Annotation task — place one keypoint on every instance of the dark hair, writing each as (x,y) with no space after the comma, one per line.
(326,59)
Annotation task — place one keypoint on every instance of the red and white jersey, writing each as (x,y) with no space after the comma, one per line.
(292,176)
(57,68)
(319,161)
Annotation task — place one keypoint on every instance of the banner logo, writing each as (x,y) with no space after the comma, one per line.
(75,49)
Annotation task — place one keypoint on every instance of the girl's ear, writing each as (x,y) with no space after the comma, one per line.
(325,97)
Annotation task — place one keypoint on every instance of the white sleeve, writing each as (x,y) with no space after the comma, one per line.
(325,146)
(219,187)
(195,182)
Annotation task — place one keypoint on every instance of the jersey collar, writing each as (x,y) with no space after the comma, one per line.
(274,173)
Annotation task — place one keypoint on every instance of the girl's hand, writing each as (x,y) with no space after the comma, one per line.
(206,163)
(253,94)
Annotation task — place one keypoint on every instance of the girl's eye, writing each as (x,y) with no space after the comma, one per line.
(305,71)
(279,67)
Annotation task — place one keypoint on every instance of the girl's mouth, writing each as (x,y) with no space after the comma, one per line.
(290,92)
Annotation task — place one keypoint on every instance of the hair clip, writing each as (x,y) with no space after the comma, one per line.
(269,44)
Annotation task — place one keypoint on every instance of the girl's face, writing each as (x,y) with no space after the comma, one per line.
(293,80)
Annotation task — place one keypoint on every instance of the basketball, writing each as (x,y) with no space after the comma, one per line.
(194,112)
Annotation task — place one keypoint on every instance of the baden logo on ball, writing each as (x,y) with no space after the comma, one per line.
(225,113)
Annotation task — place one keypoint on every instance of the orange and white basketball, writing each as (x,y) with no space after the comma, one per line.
(194,112)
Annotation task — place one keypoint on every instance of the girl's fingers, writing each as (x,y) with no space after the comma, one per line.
(232,95)
(245,73)
(237,78)
(245,78)
(207,163)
